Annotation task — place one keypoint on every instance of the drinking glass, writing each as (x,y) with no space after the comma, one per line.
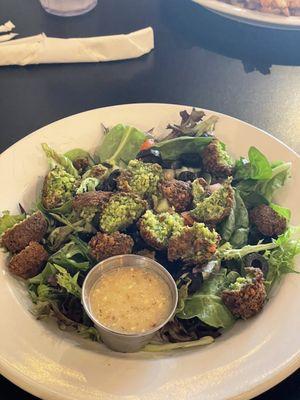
(68,8)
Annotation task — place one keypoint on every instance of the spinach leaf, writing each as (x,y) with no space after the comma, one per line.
(120,145)
(235,228)
(209,309)
(282,211)
(7,221)
(258,166)
(207,304)
(174,149)
(57,159)
(255,192)
(215,284)
(280,174)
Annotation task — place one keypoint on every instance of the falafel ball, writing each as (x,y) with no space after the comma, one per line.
(29,262)
(178,194)
(140,178)
(216,160)
(246,296)
(195,245)
(31,229)
(121,211)
(103,245)
(267,220)
(59,187)
(213,209)
(91,199)
(156,229)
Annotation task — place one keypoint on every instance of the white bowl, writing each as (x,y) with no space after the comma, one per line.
(52,364)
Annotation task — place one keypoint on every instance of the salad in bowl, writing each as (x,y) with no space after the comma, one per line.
(182,200)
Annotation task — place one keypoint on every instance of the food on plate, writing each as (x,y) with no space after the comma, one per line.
(31,229)
(29,261)
(216,160)
(121,211)
(140,178)
(103,245)
(214,208)
(284,7)
(267,220)
(157,229)
(194,245)
(178,194)
(88,204)
(183,200)
(246,296)
(131,300)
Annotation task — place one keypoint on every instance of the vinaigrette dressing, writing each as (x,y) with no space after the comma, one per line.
(130,300)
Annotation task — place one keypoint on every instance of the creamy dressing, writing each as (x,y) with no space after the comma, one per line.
(130,300)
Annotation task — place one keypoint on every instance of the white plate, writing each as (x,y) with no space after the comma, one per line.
(251,17)
(51,364)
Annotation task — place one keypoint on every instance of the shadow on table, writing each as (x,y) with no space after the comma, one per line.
(258,48)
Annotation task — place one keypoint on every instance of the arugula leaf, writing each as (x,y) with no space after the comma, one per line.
(174,149)
(71,257)
(66,281)
(8,220)
(42,277)
(58,237)
(282,211)
(57,159)
(120,145)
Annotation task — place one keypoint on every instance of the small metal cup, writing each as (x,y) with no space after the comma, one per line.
(126,342)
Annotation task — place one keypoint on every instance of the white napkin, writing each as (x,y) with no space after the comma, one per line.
(41,49)
(8,36)
(7,27)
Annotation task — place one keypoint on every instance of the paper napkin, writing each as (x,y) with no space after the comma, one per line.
(41,49)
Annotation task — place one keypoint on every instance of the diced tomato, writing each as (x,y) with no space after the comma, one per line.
(147,144)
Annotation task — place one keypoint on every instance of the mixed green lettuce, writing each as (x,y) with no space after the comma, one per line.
(201,313)
(8,220)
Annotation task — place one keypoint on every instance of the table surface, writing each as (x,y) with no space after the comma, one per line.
(200,59)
